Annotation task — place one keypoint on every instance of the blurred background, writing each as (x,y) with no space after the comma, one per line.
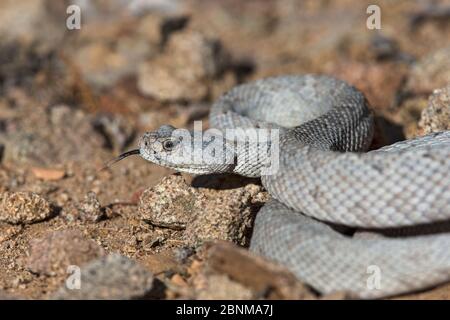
(72,99)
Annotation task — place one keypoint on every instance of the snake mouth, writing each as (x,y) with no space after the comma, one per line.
(120,157)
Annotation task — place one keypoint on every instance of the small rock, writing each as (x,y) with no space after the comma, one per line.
(53,253)
(171,195)
(183,72)
(111,277)
(48,174)
(436,117)
(90,209)
(202,214)
(263,277)
(23,207)
(62,198)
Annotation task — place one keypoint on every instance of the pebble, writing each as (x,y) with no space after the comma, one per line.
(90,208)
(436,117)
(169,203)
(166,77)
(202,214)
(48,174)
(23,208)
(265,279)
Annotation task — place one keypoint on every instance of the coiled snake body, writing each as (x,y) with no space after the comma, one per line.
(325,180)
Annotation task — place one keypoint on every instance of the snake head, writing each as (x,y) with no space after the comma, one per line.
(187,151)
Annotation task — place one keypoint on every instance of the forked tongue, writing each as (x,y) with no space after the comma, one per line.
(120,157)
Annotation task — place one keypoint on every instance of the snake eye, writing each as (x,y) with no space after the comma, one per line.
(168,145)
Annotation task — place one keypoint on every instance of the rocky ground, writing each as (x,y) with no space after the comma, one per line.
(72,99)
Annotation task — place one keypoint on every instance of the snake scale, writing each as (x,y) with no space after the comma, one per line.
(394,202)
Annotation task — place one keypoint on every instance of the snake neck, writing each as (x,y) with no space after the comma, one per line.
(257,152)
